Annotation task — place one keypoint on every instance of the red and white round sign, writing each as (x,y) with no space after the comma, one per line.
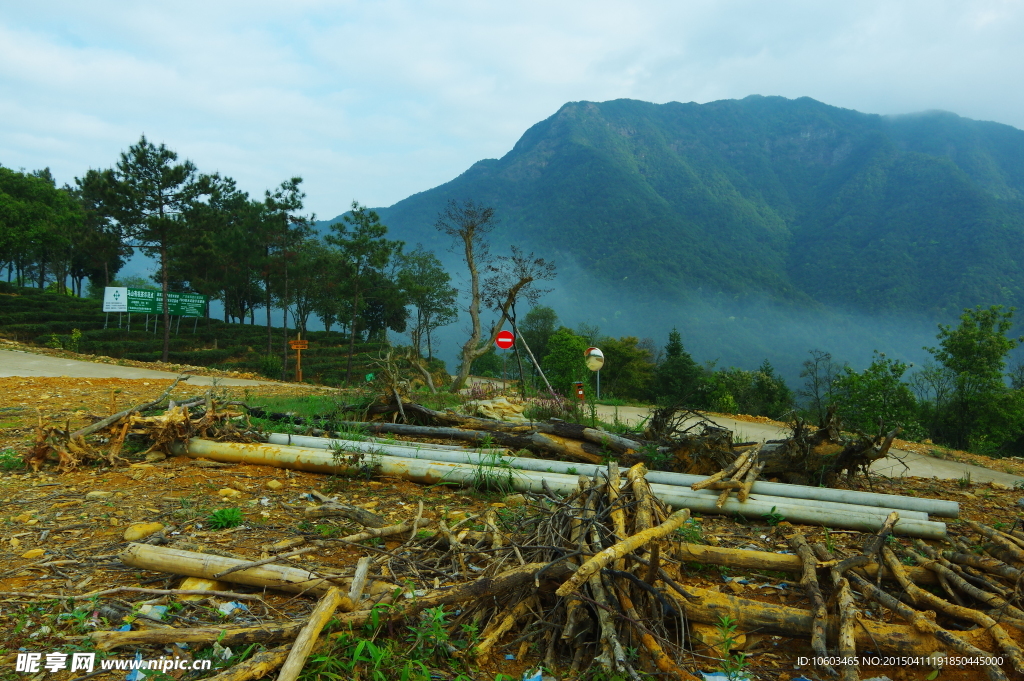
(505,340)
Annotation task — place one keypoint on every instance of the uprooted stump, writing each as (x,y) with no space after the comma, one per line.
(819,456)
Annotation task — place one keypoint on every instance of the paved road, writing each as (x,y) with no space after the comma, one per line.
(18,363)
(899,464)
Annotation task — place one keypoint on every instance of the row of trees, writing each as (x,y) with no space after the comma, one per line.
(207,236)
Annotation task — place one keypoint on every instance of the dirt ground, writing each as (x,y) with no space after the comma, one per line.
(78,521)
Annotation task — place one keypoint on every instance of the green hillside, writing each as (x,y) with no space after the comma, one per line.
(809,203)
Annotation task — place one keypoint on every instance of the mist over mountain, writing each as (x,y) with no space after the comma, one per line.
(769,212)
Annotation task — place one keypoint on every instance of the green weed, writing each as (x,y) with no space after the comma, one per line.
(692,532)
(733,665)
(773,517)
(225,518)
(492,473)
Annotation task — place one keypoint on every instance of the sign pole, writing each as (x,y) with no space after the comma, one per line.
(598,384)
(298,345)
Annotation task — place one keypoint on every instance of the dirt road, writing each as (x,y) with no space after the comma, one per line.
(901,463)
(27,364)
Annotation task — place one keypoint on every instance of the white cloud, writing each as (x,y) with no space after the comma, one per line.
(378,100)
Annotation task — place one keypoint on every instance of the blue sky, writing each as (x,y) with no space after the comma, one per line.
(377,100)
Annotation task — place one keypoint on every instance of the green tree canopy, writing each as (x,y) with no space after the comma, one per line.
(564,363)
(360,238)
(978,416)
(678,380)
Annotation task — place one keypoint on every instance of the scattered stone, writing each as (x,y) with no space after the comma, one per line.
(275,484)
(228,492)
(153,457)
(141,531)
(97,494)
(200,584)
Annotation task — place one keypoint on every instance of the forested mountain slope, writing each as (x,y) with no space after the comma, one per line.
(804,202)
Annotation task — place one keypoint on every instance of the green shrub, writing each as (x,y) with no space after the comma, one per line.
(270,366)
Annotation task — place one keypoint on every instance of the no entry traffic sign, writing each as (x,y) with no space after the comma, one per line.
(505,340)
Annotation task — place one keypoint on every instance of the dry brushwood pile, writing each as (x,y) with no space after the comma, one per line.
(177,424)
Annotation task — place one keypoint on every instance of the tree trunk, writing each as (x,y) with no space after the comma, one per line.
(167,311)
(269,330)
(352,334)
(284,308)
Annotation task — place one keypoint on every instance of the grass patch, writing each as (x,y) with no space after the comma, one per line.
(10,460)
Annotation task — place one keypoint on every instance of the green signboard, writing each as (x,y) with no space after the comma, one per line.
(150,301)
(186,304)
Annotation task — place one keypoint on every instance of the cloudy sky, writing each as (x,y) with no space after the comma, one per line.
(378,100)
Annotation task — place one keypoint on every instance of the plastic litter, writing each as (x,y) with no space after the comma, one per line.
(221,651)
(135,674)
(156,612)
(230,607)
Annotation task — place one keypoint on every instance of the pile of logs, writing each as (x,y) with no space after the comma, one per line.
(585,578)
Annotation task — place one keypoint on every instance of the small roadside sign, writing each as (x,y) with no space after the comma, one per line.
(505,340)
(115,299)
(299,344)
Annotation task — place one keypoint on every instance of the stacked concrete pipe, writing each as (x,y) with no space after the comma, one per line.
(937,507)
(808,512)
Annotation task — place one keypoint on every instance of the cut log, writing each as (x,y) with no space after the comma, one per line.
(256,667)
(765,560)
(809,581)
(930,600)
(781,620)
(306,639)
(266,633)
(192,564)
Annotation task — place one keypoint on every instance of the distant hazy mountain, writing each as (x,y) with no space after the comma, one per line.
(808,204)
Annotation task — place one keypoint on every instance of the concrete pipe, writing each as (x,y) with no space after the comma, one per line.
(938,507)
(865,519)
(375,446)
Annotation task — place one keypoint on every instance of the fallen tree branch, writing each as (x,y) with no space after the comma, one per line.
(257,666)
(265,633)
(621,549)
(307,637)
(114,418)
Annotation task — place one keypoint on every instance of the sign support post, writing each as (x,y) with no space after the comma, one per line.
(298,346)
(594,359)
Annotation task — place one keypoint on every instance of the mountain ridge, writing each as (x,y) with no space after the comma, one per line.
(797,200)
